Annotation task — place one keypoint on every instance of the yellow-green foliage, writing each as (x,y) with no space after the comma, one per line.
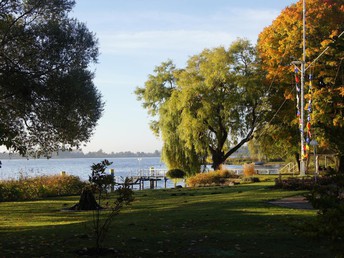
(29,188)
(217,177)
(249,169)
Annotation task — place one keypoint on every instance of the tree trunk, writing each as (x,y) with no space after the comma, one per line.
(218,159)
(341,164)
(87,201)
(297,158)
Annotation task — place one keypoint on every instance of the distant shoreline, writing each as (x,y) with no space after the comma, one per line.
(81,155)
(86,157)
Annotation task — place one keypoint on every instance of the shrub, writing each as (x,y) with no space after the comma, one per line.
(99,178)
(248,170)
(251,179)
(328,197)
(29,188)
(103,216)
(175,173)
(218,177)
(226,173)
(295,184)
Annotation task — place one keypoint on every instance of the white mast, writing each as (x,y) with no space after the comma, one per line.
(303,70)
(303,63)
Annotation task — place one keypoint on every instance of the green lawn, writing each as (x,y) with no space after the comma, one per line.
(231,221)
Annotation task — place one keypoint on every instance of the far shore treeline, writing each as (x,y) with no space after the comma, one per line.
(80,154)
(243,151)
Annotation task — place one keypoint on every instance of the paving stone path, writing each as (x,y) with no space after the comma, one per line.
(295,202)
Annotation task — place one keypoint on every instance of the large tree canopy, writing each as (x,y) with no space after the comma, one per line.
(47,98)
(209,108)
(281,43)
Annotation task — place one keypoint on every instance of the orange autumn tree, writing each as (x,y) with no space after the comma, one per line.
(279,45)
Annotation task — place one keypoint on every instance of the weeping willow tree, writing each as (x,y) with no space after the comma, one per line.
(177,152)
(209,108)
(156,96)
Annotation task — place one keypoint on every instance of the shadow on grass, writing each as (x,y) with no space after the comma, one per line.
(209,222)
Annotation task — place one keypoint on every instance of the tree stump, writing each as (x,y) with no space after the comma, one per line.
(87,201)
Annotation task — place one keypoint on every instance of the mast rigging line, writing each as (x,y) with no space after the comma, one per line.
(273,81)
(324,51)
(273,117)
(276,71)
(303,72)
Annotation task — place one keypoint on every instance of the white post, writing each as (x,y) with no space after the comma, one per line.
(302,161)
(151,171)
(112,174)
(302,111)
(302,126)
(140,170)
(304,32)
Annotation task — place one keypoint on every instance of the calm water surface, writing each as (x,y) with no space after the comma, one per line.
(14,168)
(123,167)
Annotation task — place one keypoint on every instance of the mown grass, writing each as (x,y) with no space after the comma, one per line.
(234,221)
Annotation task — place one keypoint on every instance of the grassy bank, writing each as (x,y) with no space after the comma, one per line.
(232,221)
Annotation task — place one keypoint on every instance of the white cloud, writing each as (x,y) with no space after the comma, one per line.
(134,43)
(136,35)
(170,32)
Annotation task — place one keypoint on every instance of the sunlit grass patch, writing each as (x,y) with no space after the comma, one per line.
(201,222)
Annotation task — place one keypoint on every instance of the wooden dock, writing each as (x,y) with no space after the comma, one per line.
(153,176)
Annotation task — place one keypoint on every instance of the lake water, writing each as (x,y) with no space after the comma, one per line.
(123,167)
(13,168)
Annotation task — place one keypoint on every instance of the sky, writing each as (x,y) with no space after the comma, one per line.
(135,36)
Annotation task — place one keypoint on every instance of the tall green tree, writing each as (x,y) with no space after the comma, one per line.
(47,97)
(213,107)
(156,91)
(176,151)
(156,97)
(281,43)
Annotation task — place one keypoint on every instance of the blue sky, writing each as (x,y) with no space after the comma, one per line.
(137,35)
